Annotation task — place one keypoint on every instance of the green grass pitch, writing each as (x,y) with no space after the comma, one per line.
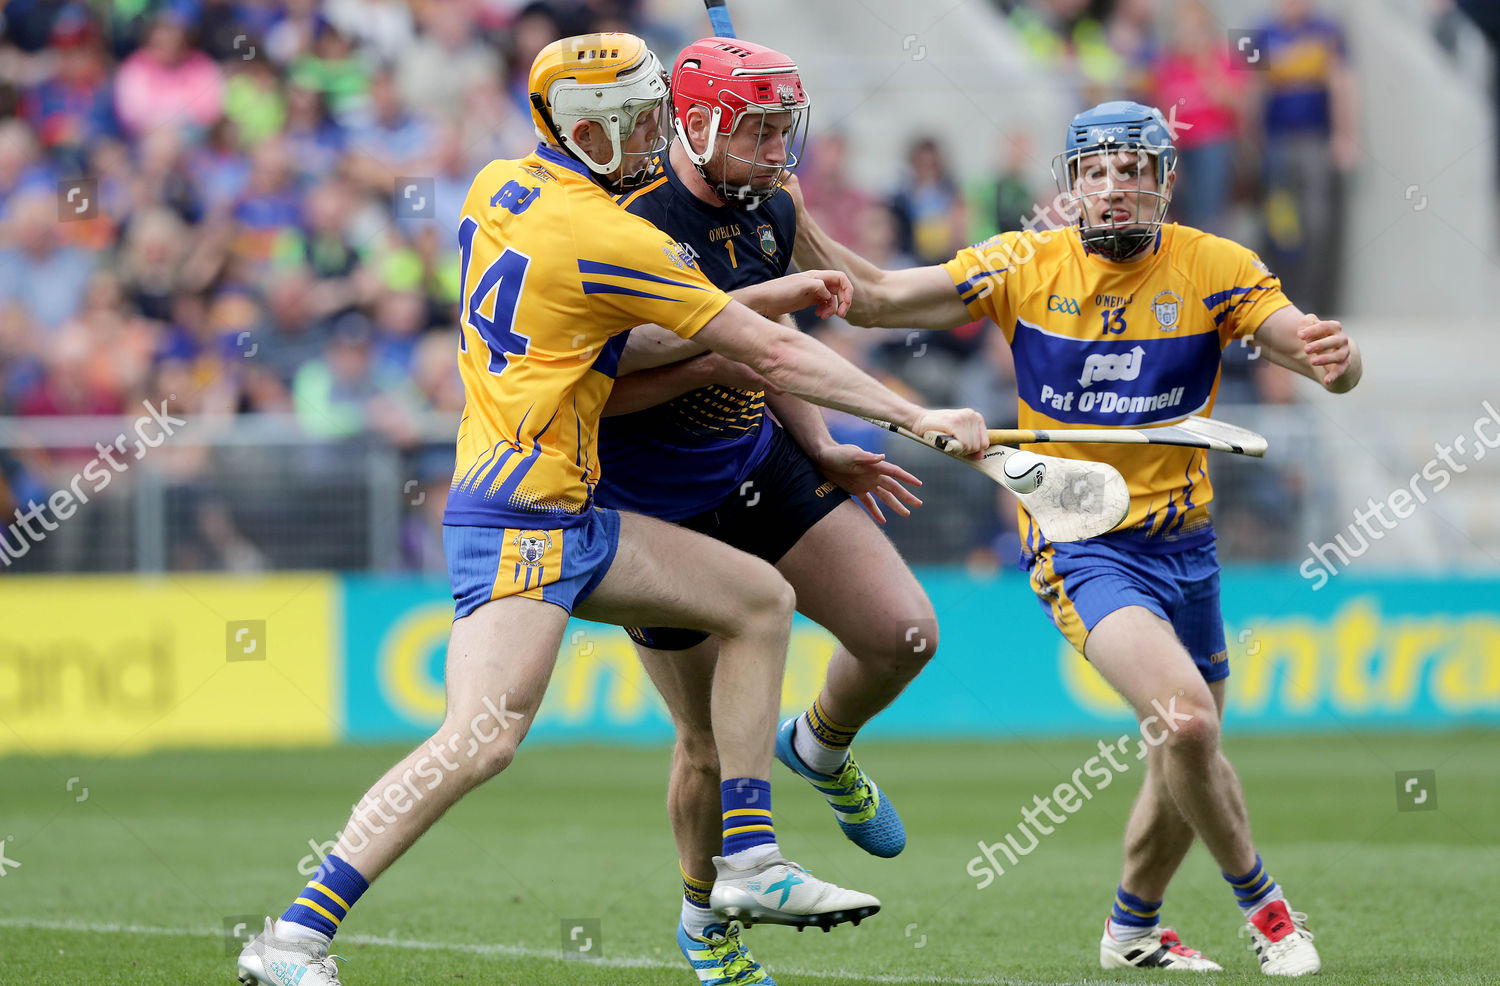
(134,883)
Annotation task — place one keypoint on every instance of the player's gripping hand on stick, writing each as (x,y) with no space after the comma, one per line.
(964,425)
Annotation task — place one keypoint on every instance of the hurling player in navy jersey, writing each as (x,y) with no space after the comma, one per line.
(691,442)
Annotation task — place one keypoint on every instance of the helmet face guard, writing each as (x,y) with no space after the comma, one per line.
(1091,174)
(611,80)
(617,108)
(1092,169)
(740,84)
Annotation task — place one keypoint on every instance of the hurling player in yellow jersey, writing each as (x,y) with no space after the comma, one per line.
(554,273)
(1121,320)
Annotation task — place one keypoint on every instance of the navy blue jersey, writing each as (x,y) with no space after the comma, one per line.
(681,458)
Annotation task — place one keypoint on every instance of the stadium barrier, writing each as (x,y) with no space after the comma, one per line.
(317,659)
(166,490)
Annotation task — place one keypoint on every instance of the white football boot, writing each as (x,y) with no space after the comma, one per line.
(1161,949)
(1281,941)
(778,891)
(272,961)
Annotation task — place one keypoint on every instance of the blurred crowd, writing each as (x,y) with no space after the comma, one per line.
(250,205)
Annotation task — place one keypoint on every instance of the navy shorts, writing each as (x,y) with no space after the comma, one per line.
(1080,583)
(781,500)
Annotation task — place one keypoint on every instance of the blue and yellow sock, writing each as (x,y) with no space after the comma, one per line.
(1255,889)
(696,915)
(833,735)
(747,814)
(325,900)
(820,742)
(1132,916)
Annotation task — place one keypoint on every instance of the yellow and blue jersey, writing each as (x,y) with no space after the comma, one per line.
(554,273)
(1100,344)
(683,457)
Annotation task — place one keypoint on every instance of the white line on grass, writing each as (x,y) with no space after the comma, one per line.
(514,951)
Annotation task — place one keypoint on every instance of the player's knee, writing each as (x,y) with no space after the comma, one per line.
(917,641)
(474,752)
(1184,729)
(903,648)
(492,758)
(769,597)
(783,598)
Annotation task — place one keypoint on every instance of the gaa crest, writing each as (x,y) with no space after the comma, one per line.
(1167,307)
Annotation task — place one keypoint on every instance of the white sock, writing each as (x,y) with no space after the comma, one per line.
(1269,898)
(747,858)
(292,931)
(1128,932)
(697,919)
(822,759)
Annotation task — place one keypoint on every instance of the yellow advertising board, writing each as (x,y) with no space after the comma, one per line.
(122,664)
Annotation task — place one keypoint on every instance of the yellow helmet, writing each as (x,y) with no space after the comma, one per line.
(611,79)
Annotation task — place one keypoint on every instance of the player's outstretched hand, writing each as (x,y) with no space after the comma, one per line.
(1327,347)
(830,290)
(868,476)
(964,424)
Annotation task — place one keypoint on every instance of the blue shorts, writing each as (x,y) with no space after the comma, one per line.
(1082,582)
(560,566)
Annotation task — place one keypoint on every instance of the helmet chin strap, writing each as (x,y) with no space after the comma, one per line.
(1116,244)
(700,161)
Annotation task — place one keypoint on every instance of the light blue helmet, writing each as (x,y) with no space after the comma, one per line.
(1107,129)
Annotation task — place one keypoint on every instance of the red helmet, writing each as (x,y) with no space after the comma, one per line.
(731,78)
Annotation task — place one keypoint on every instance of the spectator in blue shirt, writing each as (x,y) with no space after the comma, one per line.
(37,273)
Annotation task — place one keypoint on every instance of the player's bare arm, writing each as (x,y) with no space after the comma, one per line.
(648,388)
(1314,347)
(915,298)
(864,474)
(651,345)
(638,387)
(800,365)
